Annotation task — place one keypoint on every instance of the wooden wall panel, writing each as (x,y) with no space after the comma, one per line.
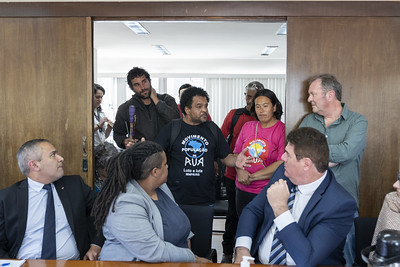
(45,85)
(363,53)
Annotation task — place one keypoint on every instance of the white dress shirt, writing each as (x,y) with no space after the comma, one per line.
(31,247)
(303,195)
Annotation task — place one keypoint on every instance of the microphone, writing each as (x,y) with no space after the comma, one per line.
(132,120)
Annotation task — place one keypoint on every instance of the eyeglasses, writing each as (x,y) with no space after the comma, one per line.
(398,176)
(254,86)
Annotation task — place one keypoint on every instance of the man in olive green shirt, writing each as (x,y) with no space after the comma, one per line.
(346,132)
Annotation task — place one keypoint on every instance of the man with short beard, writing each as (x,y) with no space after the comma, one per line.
(152,111)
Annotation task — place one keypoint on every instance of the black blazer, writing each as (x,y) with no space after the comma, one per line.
(77,199)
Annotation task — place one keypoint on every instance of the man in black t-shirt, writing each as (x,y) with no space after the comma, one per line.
(192,144)
(191,153)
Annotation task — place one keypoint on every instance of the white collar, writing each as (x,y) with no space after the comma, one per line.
(309,189)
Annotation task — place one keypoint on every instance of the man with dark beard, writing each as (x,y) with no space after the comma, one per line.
(144,115)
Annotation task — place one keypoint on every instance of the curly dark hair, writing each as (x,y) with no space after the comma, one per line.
(135,163)
(274,100)
(187,97)
(135,73)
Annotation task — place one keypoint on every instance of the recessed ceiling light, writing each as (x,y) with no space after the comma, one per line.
(136,27)
(268,50)
(282,30)
(162,49)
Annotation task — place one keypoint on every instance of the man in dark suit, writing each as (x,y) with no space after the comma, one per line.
(313,230)
(24,205)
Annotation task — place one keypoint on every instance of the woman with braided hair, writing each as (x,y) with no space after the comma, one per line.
(137,212)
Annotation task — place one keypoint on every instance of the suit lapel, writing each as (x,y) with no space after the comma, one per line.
(62,194)
(316,197)
(22,209)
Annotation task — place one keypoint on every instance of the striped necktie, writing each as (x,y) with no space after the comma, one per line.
(278,252)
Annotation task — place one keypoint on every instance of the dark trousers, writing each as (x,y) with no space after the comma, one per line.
(228,242)
(242,199)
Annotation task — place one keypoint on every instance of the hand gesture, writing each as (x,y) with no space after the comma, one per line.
(278,195)
(242,160)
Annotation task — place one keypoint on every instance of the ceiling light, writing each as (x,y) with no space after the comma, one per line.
(282,30)
(136,27)
(162,49)
(268,50)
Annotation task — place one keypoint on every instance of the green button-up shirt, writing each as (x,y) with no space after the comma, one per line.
(347,138)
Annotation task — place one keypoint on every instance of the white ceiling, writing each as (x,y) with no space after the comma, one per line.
(196,47)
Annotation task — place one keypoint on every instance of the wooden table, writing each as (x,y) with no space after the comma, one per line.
(70,263)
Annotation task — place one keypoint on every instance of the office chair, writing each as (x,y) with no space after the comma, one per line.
(364,231)
(220,212)
(201,220)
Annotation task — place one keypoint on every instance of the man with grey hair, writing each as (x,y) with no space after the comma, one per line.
(346,132)
(47,215)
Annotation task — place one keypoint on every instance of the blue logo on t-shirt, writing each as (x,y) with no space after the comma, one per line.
(194,148)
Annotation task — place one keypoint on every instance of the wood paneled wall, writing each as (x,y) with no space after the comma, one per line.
(46,71)
(363,54)
(45,75)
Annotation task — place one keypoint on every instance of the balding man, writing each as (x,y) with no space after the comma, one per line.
(47,215)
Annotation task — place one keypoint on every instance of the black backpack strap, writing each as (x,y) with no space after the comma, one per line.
(235,118)
(175,129)
(214,129)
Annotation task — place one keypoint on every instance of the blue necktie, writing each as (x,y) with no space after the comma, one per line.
(49,230)
(278,252)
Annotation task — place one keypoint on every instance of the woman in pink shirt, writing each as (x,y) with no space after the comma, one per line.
(265,143)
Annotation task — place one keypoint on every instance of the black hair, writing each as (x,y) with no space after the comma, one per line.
(135,73)
(274,100)
(187,97)
(135,163)
(97,87)
(184,86)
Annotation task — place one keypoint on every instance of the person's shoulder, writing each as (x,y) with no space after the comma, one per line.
(73,180)
(308,117)
(10,191)
(231,112)
(173,123)
(337,191)
(133,195)
(73,177)
(165,97)
(392,196)
(280,124)
(209,124)
(249,124)
(131,101)
(352,114)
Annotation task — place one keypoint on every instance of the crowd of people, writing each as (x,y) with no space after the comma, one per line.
(291,201)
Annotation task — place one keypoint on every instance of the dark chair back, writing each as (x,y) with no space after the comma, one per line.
(364,231)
